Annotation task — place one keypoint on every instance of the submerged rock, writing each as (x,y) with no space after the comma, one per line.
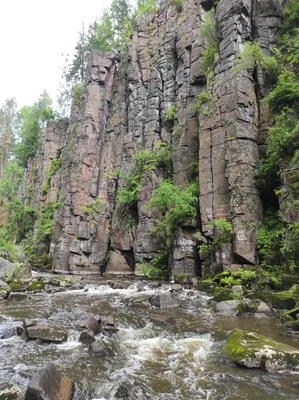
(119,284)
(252,350)
(47,333)
(164,300)
(49,384)
(4,290)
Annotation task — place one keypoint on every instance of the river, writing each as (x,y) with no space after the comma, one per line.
(179,357)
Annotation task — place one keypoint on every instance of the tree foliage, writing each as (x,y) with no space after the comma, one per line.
(8,131)
(33,120)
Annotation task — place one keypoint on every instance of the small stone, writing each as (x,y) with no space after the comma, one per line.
(93,325)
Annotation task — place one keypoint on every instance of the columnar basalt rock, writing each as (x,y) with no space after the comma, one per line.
(124,109)
(230,129)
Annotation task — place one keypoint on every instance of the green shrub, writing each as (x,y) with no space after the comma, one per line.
(78,91)
(223,231)
(45,222)
(178,4)
(171,113)
(209,34)
(94,207)
(145,161)
(146,6)
(55,166)
(177,205)
(270,236)
(202,98)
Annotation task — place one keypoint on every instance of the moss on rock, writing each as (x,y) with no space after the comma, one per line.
(283,300)
(256,351)
(224,294)
(206,285)
(17,286)
(36,284)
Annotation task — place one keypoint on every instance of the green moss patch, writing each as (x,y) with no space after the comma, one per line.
(283,300)
(256,351)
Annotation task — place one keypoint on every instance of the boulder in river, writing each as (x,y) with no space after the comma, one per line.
(119,284)
(87,337)
(229,307)
(47,333)
(283,300)
(93,325)
(100,349)
(252,350)
(49,384)
(4,290)
(128,391)
(164,300)
(6,268)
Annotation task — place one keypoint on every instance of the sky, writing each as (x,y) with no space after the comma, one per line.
(34,35)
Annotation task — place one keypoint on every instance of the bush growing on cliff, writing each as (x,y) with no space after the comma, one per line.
(145,161)
(177,205)
(209,35)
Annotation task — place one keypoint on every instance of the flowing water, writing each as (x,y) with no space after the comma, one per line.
(180,358)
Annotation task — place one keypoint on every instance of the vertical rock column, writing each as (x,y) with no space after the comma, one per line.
(81,236)
(228,139)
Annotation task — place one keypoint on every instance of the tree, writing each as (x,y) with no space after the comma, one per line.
(33,120)
(8,126)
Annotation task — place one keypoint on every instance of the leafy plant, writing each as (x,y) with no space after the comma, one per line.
(178,4)
(209,34)
(177,205)
(223,231)
(55,166)
(202,98)
(78,91)
(94,207)
(171,113)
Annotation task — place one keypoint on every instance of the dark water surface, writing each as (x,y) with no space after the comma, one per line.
(179,359)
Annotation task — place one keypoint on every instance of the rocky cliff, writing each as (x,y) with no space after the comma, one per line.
(124,108)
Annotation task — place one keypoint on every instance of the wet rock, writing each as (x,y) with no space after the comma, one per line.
(109,330)
(164,300)
(107,321)
(256,351)
(237,290)
(49,384)
(283,300)
(229,307)
(4,290)
(263,308)
(13,393)
(87,337)
(93,325)
(206,285)
(18,286)
(36,285)
(47,333)
(100,349)
(6,268)
(224,294)
(176,288)
(128,391)
(119,284)
(9,330)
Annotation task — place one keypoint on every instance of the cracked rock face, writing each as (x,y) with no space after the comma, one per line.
(123,110)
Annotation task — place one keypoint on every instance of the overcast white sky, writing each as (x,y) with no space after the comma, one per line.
(34,34)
